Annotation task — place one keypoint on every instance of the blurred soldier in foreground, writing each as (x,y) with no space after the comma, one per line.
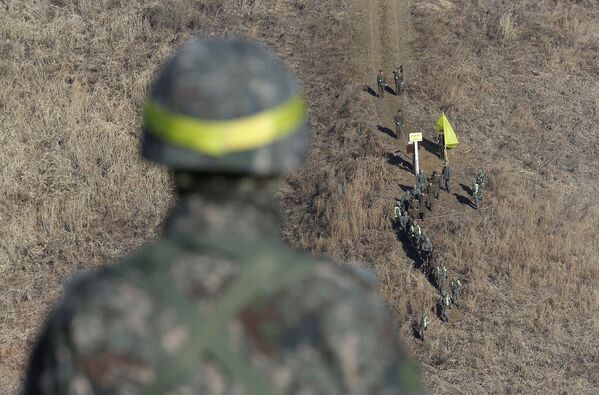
(398,119)
(446,176)
(381,83)
(219,306)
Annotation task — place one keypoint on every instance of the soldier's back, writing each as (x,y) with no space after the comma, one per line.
(221,315)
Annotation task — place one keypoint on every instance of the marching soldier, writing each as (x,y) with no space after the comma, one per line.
(216,306)
(440,276)
(397,212)
(421,206)
(443,304)
(381,83)
(398,78)
(481,179)
(456,289)
(414,204)
(477,193)
(436,180)
(446,176)
(426,249)
(403,220)
(421,181)
(398,119)
(422,326)
(405,199)
(441,145)
(430,192)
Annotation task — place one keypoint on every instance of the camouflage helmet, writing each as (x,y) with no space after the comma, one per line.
(225,106)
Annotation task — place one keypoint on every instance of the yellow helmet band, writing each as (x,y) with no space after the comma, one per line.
(217,138)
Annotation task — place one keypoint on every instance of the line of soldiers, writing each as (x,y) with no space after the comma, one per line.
(407,210)
(398,78)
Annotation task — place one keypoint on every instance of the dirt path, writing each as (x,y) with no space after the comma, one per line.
(385,45)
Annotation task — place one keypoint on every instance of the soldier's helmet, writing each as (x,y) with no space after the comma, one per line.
(225,106)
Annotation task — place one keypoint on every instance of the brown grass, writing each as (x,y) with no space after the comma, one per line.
(522,92)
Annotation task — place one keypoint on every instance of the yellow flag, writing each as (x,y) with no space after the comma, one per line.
(443,126)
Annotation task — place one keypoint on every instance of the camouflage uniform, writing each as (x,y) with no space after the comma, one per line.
(403,220)
(413,206)
(381,83)
(397,212)
(446,176)
(426,248)
(481,179)
(443,304)
(456,289)
(220,306)
(423,325)
(477,193)
(440,276)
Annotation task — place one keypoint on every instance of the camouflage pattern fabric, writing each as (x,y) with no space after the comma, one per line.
(220,307)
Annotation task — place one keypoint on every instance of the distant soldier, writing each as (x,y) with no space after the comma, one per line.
(397,212)
(413,210)
(422,326)
(420,240)
(421,206)
(431,260)
(444,303)
(430,192)
(398,124)
(436,180)
(420,181)
(481,179)
(405,199)
(440,276)
(426,248)
(398,78)
(477,193)
(381,83)
(415,232)
(446,176)
(456,289)
(441,145)
(403,220)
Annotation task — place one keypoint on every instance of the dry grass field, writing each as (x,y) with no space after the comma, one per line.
(520,81)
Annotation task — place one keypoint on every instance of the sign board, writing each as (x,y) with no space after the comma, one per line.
(415,137)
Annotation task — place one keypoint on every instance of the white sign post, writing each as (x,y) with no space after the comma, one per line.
(415,138)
